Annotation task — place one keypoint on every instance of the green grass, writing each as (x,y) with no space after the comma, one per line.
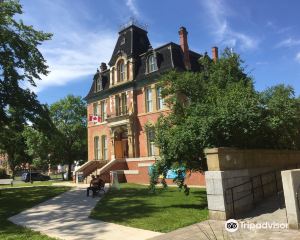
(166,210)
(14,201)
(28,184)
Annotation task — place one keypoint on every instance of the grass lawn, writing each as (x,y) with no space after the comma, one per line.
(13,201)
(163,211)
(28,184)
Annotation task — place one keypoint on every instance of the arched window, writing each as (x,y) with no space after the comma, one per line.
(98,85)
(121,71)
(152,64)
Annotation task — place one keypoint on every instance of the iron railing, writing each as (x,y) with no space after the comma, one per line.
(255,188)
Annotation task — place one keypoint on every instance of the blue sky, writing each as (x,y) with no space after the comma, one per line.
(265,33)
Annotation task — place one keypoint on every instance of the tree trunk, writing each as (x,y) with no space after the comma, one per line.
(69,170)
(11,166)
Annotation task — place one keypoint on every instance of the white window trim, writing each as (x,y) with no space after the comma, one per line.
(152,63)
(148,100)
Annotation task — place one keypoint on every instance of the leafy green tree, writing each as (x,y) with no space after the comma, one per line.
(21,64)
(281,117)
(13,142)
(38,147)
(69,117)
(219,107)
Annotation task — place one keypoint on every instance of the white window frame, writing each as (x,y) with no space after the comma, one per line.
(160,101)
(150,142)
(121,71)
(95,109)
(103,110)
(96,148)
(117,105)
(98,85)
(104,147)
(149,100)
(124,103)
(152,63)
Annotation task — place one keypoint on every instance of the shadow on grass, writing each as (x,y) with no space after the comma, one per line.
(14,201)
(163,211)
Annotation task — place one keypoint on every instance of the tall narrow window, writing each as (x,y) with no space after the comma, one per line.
(160,100)
(124,103)
(149,100)
(121,71)
(150,141)
(104,147)
(95,109)
(152,64)
(103,111)
(96,148)
(113,76)
(98,85)
(118,105)
(128,70)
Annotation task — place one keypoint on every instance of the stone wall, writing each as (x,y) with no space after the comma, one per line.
(245,170)
(291,187)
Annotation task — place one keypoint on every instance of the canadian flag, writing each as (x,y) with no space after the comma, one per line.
(94,119)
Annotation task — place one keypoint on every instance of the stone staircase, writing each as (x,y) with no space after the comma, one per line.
(89,168)
(98,167)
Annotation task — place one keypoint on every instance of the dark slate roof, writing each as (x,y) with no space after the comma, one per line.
(169,56)
(136,43)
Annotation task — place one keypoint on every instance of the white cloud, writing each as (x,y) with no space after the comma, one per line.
(76,50)
(289,42)
(277,29)
(262,63)
(218,13)
(133,8)
(76,59)
(298,57)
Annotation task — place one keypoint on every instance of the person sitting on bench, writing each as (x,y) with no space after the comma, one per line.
(93,186)
(100,185)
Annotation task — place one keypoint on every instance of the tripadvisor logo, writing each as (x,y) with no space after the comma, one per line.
(231,225)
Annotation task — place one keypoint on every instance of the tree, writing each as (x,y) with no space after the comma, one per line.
(38,147)
(69,117)
(282,117)
(21,64)
(219,107)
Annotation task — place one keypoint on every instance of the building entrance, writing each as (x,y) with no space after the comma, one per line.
(121,144)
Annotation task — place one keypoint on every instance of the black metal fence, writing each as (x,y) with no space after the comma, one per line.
(257,188)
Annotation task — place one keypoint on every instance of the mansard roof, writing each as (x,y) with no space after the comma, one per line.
(137,45)
(132,42)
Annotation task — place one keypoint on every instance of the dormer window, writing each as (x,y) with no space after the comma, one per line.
(98,85)
(152,64)
(121,71)
(123,40)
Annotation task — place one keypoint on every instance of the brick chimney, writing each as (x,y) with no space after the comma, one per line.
(103,67)
(215,54)
(185,47)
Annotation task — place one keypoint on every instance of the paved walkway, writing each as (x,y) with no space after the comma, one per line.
(200,231)
(66,217)
(269,211)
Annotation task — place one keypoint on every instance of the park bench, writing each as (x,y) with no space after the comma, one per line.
(6,182)
(98,189)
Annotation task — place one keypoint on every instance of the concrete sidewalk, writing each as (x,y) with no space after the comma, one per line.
(66,217)
(216,230)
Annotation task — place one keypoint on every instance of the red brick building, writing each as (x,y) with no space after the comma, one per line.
(124,102)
